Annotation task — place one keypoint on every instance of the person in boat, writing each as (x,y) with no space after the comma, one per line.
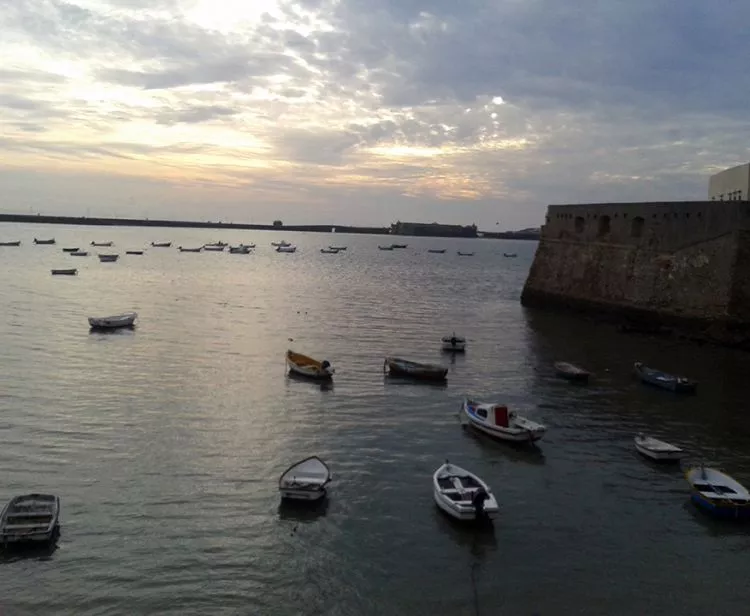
(478,501)
(454,340)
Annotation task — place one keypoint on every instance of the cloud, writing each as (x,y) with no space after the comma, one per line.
(495,107)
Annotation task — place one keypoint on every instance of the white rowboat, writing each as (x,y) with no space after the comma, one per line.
(306,480)
(655,449)
(495,420)
(462,494)
(113,322)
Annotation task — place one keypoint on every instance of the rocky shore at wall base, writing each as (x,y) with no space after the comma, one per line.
(676,267)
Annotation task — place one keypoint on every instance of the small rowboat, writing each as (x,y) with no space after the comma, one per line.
(64,272)
(306,480)
(337,247)
(70,249)
(495,420)
(329,251)
(79,253)
(399,245)
(465,254)
(718,494)
(16,243)
(657,450)
(181,249)
(239,250)
(670,382)
(161,244)
(510,255)
(114,322)
(105,258)
(303,365)
(463,495)
(133,252)
(413,370)
(102,244)
(385,247)
(281,243)
(214,247)
(30,518)
(286,248)
(571,372)
(436,251)
(44,242)
(217,244)
(454,344)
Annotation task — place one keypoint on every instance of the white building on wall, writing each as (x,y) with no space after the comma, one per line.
(731,184)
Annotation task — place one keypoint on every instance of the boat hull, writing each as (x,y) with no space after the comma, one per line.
(721,510)
(464,514)
(302,495)
(569,372)
(659,456)
(64,272)
(418,372)
(510,434)
(44,533)
(450,347)
(308,373)
(115,322)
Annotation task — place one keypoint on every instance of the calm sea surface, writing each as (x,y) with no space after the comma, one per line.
(165,443)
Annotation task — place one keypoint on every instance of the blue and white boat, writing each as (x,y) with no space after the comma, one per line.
(495,420)
(718,494)
(670,382)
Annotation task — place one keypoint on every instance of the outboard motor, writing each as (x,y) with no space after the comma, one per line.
(325,365)
(478,501)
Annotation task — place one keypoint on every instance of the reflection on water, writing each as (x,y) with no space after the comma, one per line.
(166,442)
(302,511)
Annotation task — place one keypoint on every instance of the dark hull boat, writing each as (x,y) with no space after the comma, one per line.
(664,380)
(16,243)
(571,372)
(404,368)
(44,242)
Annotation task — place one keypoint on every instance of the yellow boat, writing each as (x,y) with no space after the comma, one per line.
(309,367)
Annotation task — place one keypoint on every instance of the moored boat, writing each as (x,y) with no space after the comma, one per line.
(463,495)
(305,480)
(329,251)
(30,518)
(64,272)
(281,243)
(286,248)
(453,343)
(161,244)
(437,251)
(510,255)
(399,245)
(497,421)
(337,247)
(239,250)
(465,254)
(217,244)
(133,252)
(44,242)
(79,253)
(16,243)
(303,365)
(659,451)
(385,247)
(108,258)
(181,249)
(718,494)
(71,249)
(214,247)
(571,372)
(670,382)
(114,322)
(102,244)
(404,368)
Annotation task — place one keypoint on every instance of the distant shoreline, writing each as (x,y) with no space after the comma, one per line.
(190,224)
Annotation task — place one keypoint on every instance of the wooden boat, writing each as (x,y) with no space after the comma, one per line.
(399,245)
(281,243)
(44,242)
(414,370)
(453,343)
(133,252)
(114,322)
(161,244)
(510,255)
(79,253)
(465,254)
(214,247)
(303,365)
(102,244)
(70,249)
(463,495)
(329,251)
(337,247)
(718,494)
(181,249)
(496,421)
(385,247)
(64,272)
(16,243)
(286,248)
(306,480)
(657,450)
(436,251)
(571,372)
(670,382)
(108,258)
(239,250)
(30,518)
(217,244)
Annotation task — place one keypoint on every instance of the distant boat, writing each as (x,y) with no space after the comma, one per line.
(657,450)
(306,480)
(214,247)
(114,322)
(510,255)
(399,245)
(571,372)
(247,245)
(414,370)
(161,244)
(181,249)
(286,248)
(16,243)
(337,247)
(385,247)
(465,254)
(79,253)
(678,384)
(101,244)
(108,258)
(64,272)
(282,243)
(436,251)
(239,250)
(329,251)
(217,244)
(718,494)
(495,420)
(30,518)
(454,344)
(44,242)
(462,494)
(70,249)
(303,365)
(133,252)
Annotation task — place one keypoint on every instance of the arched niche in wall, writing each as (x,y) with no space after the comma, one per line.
(636,227)
(604,225)
(580,224)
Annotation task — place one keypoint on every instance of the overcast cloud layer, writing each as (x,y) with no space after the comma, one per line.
(366,111)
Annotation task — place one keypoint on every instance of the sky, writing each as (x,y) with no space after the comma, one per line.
(366,111)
